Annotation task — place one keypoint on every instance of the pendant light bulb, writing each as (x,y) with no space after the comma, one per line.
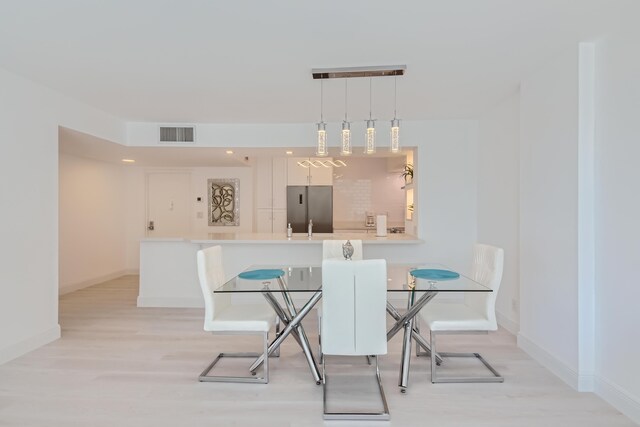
(395,136)
(345,148)
(370,139)
(395,123)
(321,146)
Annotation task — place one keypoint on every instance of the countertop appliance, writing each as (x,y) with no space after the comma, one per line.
(310,202)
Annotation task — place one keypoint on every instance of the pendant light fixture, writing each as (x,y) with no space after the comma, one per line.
(395,123)
(321,148)
(345,149)
(370,138)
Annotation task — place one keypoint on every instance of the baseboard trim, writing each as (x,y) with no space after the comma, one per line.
(65,289)
(170,302)
(618,398)
(25,346)
(507,323)
(557,367)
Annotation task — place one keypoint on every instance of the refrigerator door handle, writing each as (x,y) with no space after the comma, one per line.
(300,200)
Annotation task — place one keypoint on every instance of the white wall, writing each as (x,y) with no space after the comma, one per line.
(499,199)
(445,170)
(549,214)
(444,182)
(618,217)
(91,222)
(29,118)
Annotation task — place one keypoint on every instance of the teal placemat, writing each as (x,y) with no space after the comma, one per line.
(434,274)
(264,274)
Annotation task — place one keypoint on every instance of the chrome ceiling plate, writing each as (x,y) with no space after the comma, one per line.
(348,72)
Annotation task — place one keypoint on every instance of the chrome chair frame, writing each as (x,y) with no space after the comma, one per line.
(376,416)
(496,378)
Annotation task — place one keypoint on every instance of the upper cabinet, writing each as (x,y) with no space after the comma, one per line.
(309,171)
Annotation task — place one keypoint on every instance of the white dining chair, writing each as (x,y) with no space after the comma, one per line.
(222,317)
(332,249)
(354,321)
(476,314)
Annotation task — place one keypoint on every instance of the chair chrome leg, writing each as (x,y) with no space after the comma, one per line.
(378,416)
(264,379)
(496,378)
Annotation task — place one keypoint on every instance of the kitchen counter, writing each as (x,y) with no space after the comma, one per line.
(168,273)
(297,238)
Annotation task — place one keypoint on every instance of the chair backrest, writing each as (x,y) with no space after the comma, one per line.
(332,249)
(354,295)
(486,268)
(211,277)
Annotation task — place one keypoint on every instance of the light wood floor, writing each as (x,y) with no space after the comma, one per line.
(119,365)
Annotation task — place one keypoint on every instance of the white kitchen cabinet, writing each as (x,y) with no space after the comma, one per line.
(264,181)
(279,183)
(279,221)
(271,220)
(312,175)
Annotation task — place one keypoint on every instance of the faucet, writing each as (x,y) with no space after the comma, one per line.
(310,228)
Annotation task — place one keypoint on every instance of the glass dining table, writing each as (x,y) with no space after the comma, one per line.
(306,281)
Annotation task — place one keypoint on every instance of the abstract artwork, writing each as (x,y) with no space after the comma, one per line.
(223,201)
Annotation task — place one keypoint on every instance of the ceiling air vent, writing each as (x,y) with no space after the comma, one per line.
(177,134)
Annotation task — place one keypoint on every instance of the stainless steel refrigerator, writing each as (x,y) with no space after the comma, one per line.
(310,202)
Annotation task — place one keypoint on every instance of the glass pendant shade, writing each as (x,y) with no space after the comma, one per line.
(370,141)
(395,135)
(346,139)
(321,148)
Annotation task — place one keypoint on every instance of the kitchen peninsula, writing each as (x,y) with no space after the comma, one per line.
(168,276)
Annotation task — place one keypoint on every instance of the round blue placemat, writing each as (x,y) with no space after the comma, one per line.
(265,274)
(434,274)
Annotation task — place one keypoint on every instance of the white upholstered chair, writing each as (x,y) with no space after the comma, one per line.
(332,249)
(476,314)
(221,317)
(354,320)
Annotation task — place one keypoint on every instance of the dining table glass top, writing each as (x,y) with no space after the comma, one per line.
(309,279)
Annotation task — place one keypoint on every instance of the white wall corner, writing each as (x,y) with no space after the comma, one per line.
(557,367)
(507,323)
(620,399)
(29,344)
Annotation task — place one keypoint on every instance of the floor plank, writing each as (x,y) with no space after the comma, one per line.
(119,365)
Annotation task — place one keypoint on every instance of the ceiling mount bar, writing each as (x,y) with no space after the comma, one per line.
(348,72)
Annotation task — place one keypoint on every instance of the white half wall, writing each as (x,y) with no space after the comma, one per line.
(499,199)
(549,211)
(92,228)
(29,118)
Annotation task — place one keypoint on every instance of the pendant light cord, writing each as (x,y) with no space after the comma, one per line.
(395,96)
(370,95)
(321,100)
(345,100)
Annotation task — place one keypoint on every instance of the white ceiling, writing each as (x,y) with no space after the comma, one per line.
(250,61)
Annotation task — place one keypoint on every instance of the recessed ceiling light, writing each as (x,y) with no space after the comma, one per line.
(229,151)
(289,152)
(128,160)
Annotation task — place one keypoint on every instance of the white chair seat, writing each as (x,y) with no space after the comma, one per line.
(455,317)
(248,317)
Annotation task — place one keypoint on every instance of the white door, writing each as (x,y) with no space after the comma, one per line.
(168,210)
